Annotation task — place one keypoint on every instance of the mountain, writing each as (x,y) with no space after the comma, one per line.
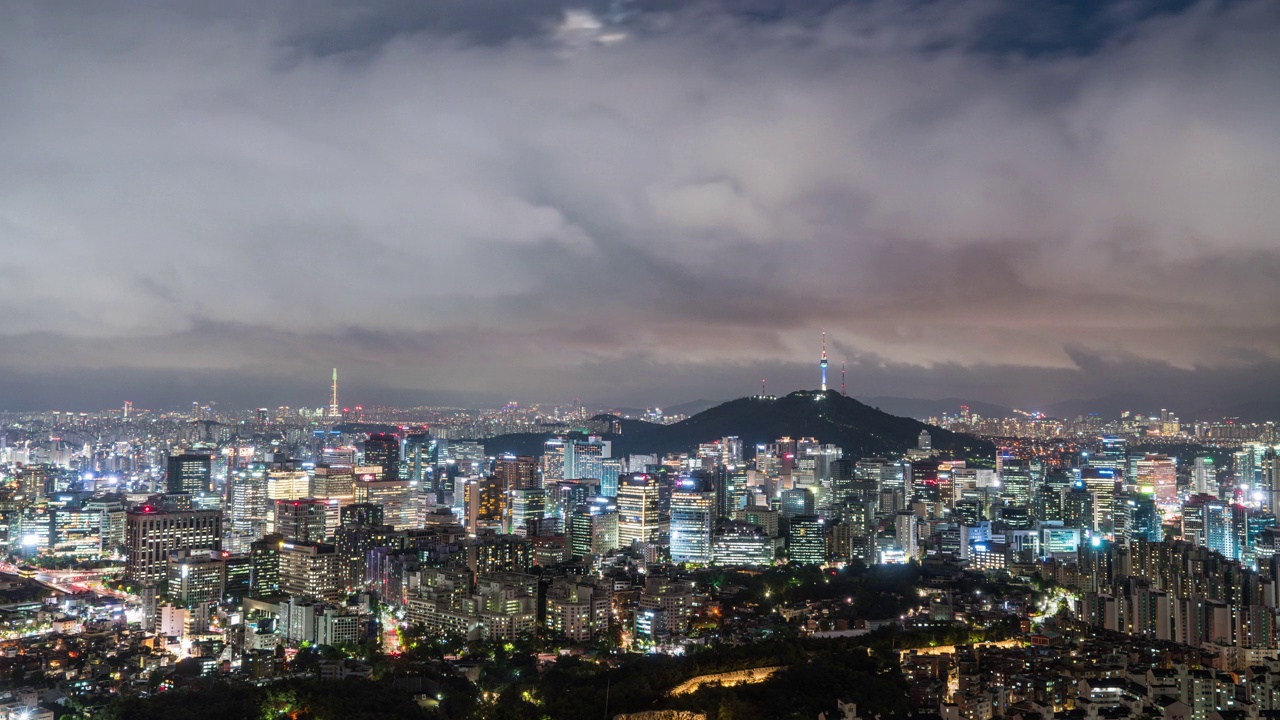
(692,407)
(861,430)
(917,408)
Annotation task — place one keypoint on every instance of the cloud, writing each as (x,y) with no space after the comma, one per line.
(629,201)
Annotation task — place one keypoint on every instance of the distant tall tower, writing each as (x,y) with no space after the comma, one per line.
(333,396)
(823,364)
(842,392)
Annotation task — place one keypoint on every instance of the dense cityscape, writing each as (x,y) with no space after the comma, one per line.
(639,360)
(1101,567)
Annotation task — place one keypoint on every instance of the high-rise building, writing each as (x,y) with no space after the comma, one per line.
(383,450)
(196,576)
(907,529)
(310,570)
(528,506)
(741,543)
(333,481)
(584,459)
(692,518)
(362,530)
(301,520)
(1077,506)
(420,455)
(1204,477)
(807,540)
(1135,518)
(247,507)
(553,460)
(1219,529)
(1101,483)
(393,496)
(610,471)
(153,532)
(362,514)
(1016,482)
(264,566)
(516,472)
(189,473)
(796,501)
(1270,480)
(1158,475)
(484,502)
(639,519)
(592,530)
(288,483)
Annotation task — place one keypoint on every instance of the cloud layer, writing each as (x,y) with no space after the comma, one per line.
(630,202)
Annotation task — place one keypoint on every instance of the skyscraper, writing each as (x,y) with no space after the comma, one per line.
(393,496)
(310,570)
(1101,482)
(807,540)
(247,507)
(516,472)
(527,507)
(302,520)
(692,519)
(189,473)
(1158,475)
(638,516)
(420,455)
(383,450)
(1204,477)
(152,533)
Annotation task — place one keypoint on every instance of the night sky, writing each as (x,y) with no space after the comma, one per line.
(637,202)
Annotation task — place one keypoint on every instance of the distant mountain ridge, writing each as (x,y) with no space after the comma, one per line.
(859,429)
(918,408)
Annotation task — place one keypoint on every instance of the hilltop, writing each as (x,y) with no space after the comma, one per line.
(861,430)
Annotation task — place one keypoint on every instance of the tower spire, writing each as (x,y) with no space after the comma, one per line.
(823,363)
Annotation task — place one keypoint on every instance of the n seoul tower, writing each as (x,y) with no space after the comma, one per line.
(823,364)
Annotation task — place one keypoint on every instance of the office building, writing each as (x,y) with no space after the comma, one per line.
(527,506)
(393,496)
(196,576)
(152,532)
(807,540)
(310,570)
(737,543)
(797,501)
(189,474)
(692,519)
(383,450)
(264,566)
(639,519)
(249,512)
(516,472)
(302,520)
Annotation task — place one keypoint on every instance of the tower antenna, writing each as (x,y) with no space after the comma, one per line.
(762,392)
(842,392)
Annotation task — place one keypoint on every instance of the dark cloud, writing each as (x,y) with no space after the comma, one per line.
(637,201)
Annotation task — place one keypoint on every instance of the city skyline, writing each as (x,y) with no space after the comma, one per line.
(642,202)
